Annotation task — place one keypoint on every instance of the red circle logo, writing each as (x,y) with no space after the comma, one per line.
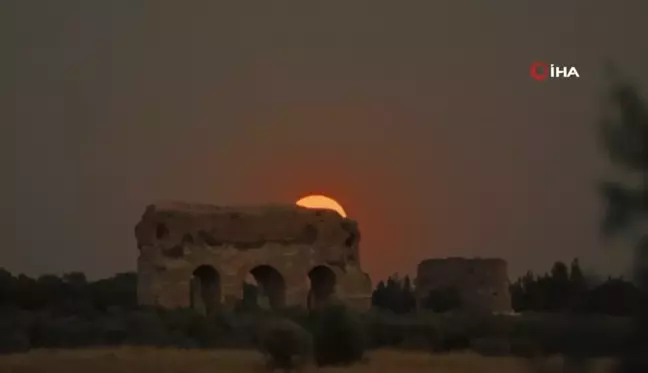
(539,71)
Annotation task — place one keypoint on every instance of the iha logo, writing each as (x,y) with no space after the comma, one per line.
(542,71)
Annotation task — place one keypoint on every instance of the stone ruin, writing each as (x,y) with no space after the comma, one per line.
(201,256)
(482,285)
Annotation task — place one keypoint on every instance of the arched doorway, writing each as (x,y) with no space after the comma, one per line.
(205,289)
(322,286)
(264,287)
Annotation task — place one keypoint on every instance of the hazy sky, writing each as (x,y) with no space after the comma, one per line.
(418,116)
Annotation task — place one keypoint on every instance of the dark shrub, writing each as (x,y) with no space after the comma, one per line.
(383,333)
(633,362)
(443,300)
(208,332)
(299,315)
(47,331)
(456,334)
(113,330)
(187,328)
(285,343)
(146,328)
(496,346)
(420,337)
(525,347)
(572,335)
(339,336)
(14,341)
(453,340)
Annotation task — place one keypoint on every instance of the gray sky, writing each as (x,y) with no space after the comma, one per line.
(419,117)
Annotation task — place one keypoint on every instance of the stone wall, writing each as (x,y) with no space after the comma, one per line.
(482,284)
(200,255)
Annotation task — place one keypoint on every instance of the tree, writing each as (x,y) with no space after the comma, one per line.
(558,287)
(578,286)
(378,296)
(407,294)
(6,287)
(576,274)
(614,297)
(339,336)
(529,286)
(393,293)
(625,138)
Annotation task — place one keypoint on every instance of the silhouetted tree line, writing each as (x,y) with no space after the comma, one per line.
(68,294)
(397,296)
(394,295)
(70,311)
(565,289)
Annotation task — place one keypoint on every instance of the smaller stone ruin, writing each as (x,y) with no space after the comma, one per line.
(481,285)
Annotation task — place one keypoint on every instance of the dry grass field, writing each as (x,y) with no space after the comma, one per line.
(144,360)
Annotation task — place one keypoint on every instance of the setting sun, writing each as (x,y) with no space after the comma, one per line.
(321,202)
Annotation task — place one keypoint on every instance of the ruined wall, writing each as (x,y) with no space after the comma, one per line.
(176,239)
(482,284)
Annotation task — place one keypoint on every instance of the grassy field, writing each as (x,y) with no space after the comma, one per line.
(144,360)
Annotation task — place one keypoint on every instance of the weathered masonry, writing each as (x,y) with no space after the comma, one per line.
(480,284)
(202,256)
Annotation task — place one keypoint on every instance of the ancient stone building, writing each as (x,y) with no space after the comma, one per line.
(481,284)
(201,255)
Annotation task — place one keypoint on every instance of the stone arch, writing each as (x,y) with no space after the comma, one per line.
(323,282)
(205,289)
(264,286)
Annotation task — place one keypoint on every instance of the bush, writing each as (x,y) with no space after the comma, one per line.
(525,347)
(384,334)
(339,336)
(592,336)
(146,328)
(285,343)
(443,300)
(491,346)
(634,362)
(385,329)
(299,315)
(13,341)
(339,333)
(70,332)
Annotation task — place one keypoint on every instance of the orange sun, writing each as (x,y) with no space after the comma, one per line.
(321,202)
